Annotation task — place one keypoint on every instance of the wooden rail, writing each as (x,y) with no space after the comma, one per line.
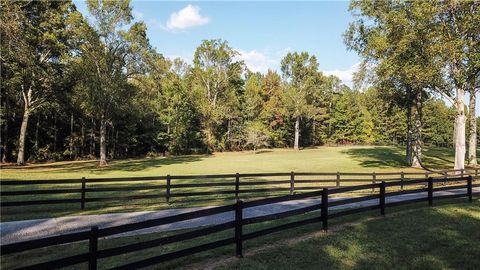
(237,224)
(170,186)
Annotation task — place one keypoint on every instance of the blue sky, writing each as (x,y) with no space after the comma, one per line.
(263,32)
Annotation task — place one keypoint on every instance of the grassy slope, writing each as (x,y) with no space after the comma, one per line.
(443,236)
(437,238)
(322,159)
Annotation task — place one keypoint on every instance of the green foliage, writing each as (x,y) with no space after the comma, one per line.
(85,73)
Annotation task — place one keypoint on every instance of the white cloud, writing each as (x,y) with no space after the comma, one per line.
(256,61)
(187,17)
(345,75)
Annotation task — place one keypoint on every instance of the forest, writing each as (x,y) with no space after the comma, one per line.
(76,88)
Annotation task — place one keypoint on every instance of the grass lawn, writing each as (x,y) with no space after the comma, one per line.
(320,159)
(410,237)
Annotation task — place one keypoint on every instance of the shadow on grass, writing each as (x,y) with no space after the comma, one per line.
(431,238)
(385,157)
(377,157)
(114,165)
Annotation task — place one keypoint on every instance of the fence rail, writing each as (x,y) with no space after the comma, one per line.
(173,186)
(237,224)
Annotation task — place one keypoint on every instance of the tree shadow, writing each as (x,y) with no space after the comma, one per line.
(431,238)
(136,164)
(379,157)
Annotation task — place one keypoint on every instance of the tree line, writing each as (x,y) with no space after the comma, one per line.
(74,88)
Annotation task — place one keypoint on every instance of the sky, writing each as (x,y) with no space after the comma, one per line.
(262,32)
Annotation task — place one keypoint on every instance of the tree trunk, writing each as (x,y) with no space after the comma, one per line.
(297,133)
(472,144)
(460,130)
(21,139)
(103,142)
(82,140)
(55,133)
(417,145)
(408,149)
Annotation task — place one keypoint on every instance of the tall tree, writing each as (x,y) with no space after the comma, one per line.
(214,70)
(109,60)
(397,41)
(300,71)
(34,40)
(458,34)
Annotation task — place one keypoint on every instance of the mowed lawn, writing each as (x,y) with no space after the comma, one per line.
(414,236)
(321,159)
(445,237)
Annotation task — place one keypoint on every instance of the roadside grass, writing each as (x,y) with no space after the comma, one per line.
(322,159)
(410,237)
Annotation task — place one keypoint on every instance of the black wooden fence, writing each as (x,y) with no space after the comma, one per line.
(237,237)
(170,186)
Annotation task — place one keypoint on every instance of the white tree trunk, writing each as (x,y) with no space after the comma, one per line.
(417,144)
(460,130)
(21,139)
(103,142)
(472,143)
(297,133)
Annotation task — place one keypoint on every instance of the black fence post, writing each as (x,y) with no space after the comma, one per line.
(237,185)
(402,178)
(292,183)
(93,248)
(445,177)
(382,198)
(374,180)
(167,193)
(82,203)
(324,209)
(430,191)
(338,179)
(461,172)
(238,229)
(469,188)
(476,172)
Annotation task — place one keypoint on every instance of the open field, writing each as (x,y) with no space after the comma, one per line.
(411,237)
(321,159)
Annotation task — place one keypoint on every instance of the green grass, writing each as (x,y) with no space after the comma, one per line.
(441,237)
(321,159)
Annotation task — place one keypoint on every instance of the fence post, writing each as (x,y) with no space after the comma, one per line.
(445,177)
(476,172)
(92,248)
(382,198)
(238,229)
(430,191)
(324,209)
(338,179)
(167,193)
(402,178)
(461,172)
(237,185)
(374,180)
(292,183)
(82,203)
(469,188)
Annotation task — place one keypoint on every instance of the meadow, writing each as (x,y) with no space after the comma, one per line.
(320,159)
